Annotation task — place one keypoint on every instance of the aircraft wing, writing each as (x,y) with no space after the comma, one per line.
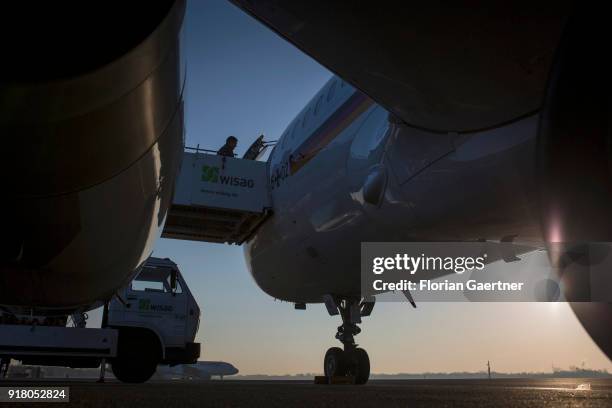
(444,66)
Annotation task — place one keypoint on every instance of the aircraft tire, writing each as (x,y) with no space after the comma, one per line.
(334,364)
(360,365)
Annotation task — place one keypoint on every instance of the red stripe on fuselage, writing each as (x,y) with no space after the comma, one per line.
(354,106)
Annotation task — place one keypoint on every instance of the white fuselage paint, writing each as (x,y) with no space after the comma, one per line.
(440,186)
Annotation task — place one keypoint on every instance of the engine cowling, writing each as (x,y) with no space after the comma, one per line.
(575,167)
(92,137)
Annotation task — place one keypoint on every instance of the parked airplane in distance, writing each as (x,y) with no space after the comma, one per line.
(202,370)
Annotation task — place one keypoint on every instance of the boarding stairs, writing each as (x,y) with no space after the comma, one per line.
(219,199)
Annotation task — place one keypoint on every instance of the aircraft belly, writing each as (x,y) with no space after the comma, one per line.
(483,187)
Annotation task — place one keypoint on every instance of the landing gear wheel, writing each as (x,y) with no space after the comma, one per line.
(334,364)
(359,365)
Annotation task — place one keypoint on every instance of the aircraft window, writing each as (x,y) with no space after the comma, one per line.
(330,93)
(318,105)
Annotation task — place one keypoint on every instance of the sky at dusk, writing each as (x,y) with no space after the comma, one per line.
(242,79)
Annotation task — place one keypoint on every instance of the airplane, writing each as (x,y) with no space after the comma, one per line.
(202,370)
(461,121)
(446,121)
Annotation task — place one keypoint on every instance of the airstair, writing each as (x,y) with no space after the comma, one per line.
(218,199)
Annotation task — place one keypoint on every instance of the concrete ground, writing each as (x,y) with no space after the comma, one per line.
(383,393)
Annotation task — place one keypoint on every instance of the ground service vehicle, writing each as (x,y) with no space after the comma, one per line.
(151,321)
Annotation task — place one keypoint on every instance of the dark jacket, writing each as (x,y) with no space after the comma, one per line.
(225,150)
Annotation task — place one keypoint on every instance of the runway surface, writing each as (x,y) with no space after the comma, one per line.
(383,393)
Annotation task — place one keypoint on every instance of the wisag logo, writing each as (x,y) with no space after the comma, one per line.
(144,304)
(210,174)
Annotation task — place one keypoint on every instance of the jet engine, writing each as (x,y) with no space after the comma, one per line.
(91,116)
(575,170)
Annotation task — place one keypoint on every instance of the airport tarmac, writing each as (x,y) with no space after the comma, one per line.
(381,393)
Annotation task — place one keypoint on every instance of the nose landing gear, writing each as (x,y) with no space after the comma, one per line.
(340,363)
(352,361)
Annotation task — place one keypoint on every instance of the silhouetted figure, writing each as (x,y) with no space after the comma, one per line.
(4,366)
(228,148)
(102,371)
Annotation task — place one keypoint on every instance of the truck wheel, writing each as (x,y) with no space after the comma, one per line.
(132,371)
(137,358)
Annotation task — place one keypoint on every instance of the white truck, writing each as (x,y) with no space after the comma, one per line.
(152,321)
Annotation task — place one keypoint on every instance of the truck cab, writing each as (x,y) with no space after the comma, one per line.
(151,321)
(157,318)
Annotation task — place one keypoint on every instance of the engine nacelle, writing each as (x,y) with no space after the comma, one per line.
(92,139)
(575,168)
